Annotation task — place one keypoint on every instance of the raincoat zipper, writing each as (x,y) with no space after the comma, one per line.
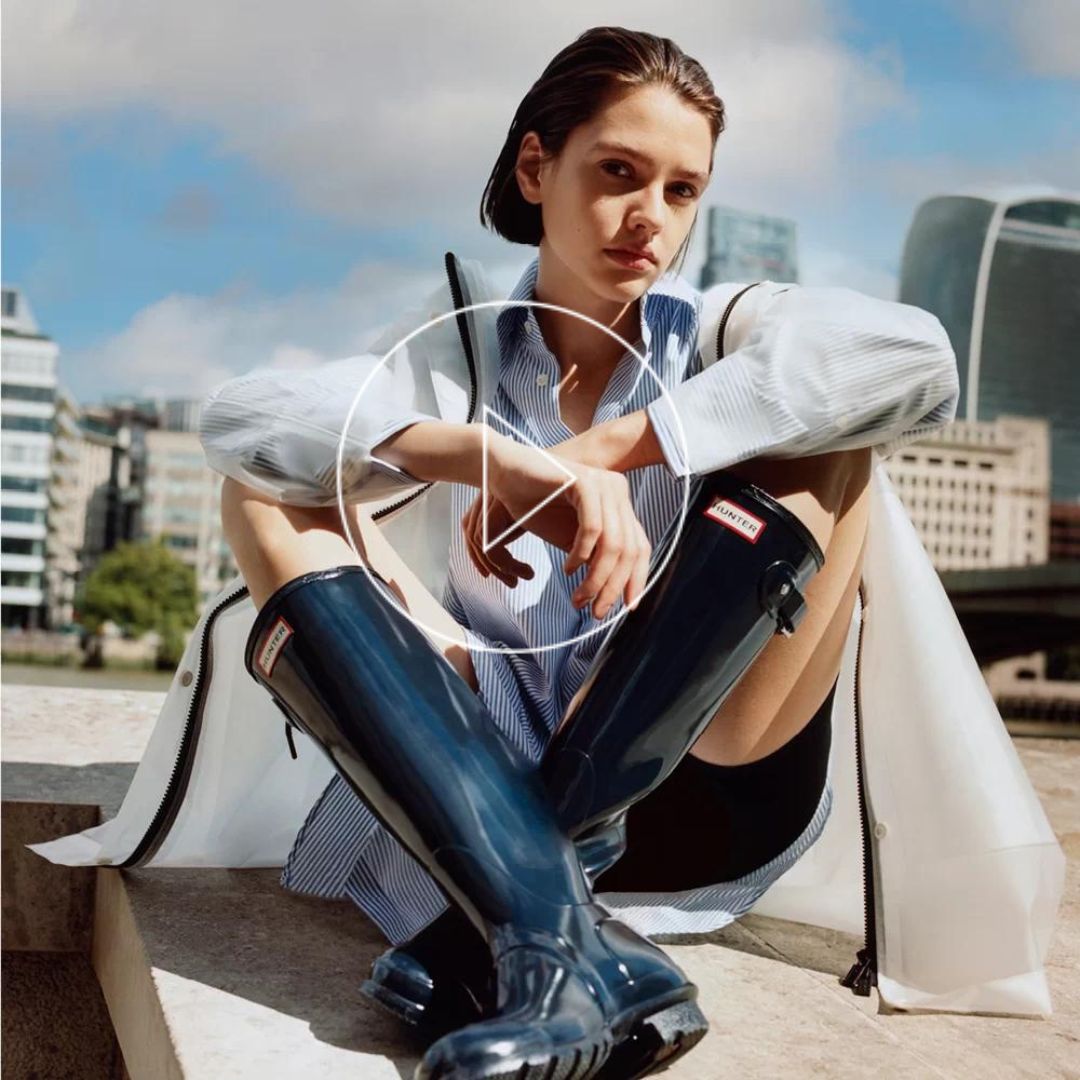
(176,787)
(163,819)
(863,973)
(463,330)
(727,315)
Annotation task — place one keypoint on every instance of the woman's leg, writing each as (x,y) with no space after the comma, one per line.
(753,781)
(274,543)
(789,680)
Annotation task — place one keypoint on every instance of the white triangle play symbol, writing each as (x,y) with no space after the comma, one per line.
(488,416)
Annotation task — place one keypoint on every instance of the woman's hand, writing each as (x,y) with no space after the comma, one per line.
(592,519)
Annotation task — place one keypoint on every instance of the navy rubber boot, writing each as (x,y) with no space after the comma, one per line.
(410,737)
(735,577)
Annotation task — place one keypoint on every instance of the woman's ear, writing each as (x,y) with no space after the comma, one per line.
(527,167)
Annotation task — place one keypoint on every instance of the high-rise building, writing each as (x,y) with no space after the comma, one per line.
(83,470)
(181,414)
(27,407)
(748,247)
(182,505)
(1001,270)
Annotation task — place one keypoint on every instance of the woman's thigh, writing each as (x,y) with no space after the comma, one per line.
(274,543)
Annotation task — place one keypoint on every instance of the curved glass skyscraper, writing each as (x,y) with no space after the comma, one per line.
(1001,270)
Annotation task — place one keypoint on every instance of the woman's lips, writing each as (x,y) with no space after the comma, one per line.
(631,262)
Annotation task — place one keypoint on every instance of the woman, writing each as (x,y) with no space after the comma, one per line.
(609,156)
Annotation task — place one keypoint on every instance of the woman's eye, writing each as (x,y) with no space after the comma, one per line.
(685,191)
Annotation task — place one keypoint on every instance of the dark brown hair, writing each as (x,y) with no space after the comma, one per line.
(578,82)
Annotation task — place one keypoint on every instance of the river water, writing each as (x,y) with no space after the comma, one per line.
(94,678)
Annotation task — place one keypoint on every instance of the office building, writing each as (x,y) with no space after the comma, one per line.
(182,505)
(27,407)
(977,492)
(1001,270)
(741,246)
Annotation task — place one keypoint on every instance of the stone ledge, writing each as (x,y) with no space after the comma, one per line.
(212,973)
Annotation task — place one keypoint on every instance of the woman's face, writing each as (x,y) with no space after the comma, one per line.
(633,176)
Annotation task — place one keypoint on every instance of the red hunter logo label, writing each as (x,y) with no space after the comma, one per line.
(730,514)
(280,632)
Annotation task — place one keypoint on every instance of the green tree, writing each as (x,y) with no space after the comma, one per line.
(142,587)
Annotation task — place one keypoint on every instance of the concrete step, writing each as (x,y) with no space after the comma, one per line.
(222,973)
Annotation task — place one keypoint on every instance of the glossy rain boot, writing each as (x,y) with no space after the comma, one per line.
(417,745)
(735,577)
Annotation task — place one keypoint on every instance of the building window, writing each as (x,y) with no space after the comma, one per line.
(26,423)
(20,579)
(16,545)
(17,392)
(22,483)
(26,515)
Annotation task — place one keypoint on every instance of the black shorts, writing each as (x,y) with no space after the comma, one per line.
(707,824)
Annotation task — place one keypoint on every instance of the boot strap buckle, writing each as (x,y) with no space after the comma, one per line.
(781,597)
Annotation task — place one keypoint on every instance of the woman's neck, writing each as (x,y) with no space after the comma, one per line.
(579,346)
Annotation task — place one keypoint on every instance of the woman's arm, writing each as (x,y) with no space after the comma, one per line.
(806,370)
(278,430)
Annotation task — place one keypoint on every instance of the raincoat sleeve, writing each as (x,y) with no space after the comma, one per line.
(805,370)
(278,430)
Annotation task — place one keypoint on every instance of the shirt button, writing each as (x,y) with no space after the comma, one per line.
(542,379)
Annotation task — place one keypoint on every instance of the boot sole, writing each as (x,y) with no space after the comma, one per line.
(653,1042)
(579,1064)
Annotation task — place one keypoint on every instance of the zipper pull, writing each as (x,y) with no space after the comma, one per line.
(863,974)
(288,739)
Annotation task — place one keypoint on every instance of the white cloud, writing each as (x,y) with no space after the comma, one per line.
(1044,33)
(184,345)
(380,114)
(939,174)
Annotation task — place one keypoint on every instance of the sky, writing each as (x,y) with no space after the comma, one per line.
(193,190)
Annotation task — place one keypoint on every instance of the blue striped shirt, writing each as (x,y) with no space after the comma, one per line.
(342,850)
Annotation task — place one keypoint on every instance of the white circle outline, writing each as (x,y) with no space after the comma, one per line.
(430,630)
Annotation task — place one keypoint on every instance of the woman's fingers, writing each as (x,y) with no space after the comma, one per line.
(496,559)
(468,527)
(609,549)
(639,574)
(589,526)
(616,584)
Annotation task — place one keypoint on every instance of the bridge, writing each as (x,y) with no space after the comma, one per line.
(1010,611)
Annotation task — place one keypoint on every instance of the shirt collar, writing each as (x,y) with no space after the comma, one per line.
(513,319)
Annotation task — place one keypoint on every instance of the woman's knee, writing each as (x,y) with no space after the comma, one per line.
(817,489)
